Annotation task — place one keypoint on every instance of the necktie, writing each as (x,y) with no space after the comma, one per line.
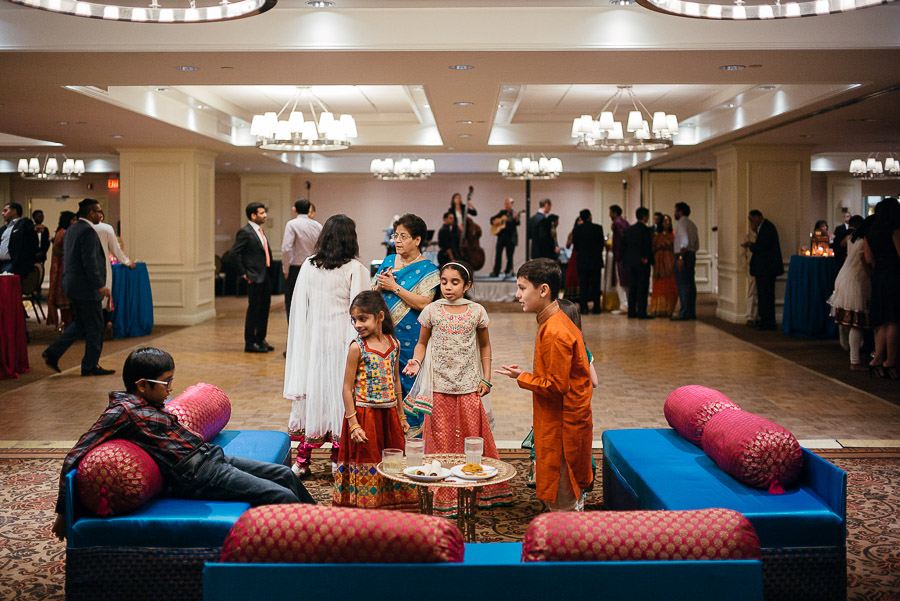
(265,246)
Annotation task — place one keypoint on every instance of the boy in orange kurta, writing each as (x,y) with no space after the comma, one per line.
(561,390)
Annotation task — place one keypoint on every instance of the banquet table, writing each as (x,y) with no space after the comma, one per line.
(132,301)
(13,342)
(810,282)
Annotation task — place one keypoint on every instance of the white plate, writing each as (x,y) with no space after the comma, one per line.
(489,472)
(411,472)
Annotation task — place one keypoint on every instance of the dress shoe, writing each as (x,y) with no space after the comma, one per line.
(51,361)
(255,348)
(645,316)
(494,275)
(301,471)
(266,345)
(679,318)
(596,312)
(97,371)
(765,327)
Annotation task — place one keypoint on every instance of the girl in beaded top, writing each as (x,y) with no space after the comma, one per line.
(373,420)
(452,362)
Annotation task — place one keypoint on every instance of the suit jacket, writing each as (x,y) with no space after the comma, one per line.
(510,231)
(23,246)
(588,243)
(85,264)
(637,245)
(249,256)
(43,245)
(766,260)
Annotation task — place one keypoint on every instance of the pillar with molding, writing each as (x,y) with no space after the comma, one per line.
(776,180)
(167,216)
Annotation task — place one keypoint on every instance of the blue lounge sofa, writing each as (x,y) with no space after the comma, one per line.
(157,552)
(802,533)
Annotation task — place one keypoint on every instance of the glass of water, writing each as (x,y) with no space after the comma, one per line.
(392,460)
(415,452)
(474,449)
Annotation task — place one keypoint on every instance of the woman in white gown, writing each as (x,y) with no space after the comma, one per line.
(852,293)
(319,335)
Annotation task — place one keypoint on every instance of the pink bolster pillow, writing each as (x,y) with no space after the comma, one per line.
(689,408)
(301,533)
(640,536)
(117,477)
(203,409)
(754,450)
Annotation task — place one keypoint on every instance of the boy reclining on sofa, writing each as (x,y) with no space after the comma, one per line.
(194,469)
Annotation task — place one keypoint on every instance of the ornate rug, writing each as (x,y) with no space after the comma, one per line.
(32,562)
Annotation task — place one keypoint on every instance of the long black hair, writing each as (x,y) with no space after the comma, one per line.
(65,220)
(337,244)
(371,303)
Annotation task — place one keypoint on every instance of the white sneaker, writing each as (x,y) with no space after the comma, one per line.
(617,312)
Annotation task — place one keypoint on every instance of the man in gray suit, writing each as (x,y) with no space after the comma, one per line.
(84,283)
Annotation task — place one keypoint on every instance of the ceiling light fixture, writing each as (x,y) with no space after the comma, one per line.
(462,67)
(643,131)
(186,68)
(464,122)
(402,169)
(320,3)
(733,67)
(31,168)
(153,12)
(621,2)
(872,168)
(741,11)
(529,168)
(321,134)
(464,103)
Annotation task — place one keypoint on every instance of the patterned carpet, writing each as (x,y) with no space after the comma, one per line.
(32,562)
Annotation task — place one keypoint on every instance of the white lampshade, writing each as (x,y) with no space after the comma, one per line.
(429,165)
(295,121)
(672,124)
(388,165)
(870,164)
(23,165)
(34,166)
(326,122)
(79,166)
(52,166)
(616,133)
(556,165)
(68,166)
(659,122)
(502,165)
(405,165)
(283,131)
(544,163)
(635,121)
(576,127)
(258,125)
(890,164)
(309,131)
(606,121)
(375,165)
(349,125)
(534,167)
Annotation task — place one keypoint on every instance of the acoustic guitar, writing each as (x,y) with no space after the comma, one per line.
(499,223)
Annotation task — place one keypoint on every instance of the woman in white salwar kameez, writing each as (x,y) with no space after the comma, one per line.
(319,335)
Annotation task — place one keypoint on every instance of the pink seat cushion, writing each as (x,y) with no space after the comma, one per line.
(689,408)
(756,451)
(203,409)
(117,477)
(640,536)
(315,534)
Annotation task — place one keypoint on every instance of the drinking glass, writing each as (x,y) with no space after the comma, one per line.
(392,460)
(415,452)
(474,449)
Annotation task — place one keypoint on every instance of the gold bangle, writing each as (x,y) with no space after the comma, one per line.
(354,428)
(347,417)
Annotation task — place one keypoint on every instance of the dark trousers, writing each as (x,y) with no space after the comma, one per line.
(510,247)
(256,322)
(212,475)
(588,286)
(638,291)
(88,324)
(765,300)
(687,287)
(289,284)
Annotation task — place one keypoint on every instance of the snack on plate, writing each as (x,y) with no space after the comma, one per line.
(472,469)
(430,469)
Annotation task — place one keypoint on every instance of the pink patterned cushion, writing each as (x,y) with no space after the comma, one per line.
(117,477)
(753,449)
(689,408)
(203,409)
(315,534)
(640,536)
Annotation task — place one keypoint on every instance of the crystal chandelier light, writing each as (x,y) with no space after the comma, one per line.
(189,12)
(739,10)
(528,168)
(872,168)
(402,168)
(643,131)
(296,135)
(31,168)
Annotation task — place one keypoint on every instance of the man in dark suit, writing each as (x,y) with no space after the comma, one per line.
(637,256)
(84,283)
(766,264)
(43,236)
(588,243)
(252,258)
(18,242)
(841,232)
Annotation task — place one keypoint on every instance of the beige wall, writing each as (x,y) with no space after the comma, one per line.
(91,185)
(228,206)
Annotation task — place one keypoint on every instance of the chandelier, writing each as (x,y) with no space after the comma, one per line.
(872,168)
(529,168)
(296,135)
(154,12)
(643,131)
(31,168)
(741,11)
(402,168)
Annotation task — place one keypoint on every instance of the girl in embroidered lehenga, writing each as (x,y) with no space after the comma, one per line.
(665,290)
(373,420)
(408,282)
(453,362)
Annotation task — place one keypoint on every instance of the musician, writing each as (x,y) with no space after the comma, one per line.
(505,225)
(448,241)
(461,211)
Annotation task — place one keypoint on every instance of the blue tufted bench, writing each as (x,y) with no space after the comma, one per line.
(158,551)
(803,532)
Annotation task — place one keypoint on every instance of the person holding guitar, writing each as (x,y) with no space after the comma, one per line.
(505,226)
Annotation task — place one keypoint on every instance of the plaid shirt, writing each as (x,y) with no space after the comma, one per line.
(131,418)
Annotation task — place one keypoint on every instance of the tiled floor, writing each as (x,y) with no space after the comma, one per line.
(639,363)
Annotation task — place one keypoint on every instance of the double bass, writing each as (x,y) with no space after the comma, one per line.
(470,245)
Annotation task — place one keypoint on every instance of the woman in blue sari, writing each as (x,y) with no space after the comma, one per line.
(408,281)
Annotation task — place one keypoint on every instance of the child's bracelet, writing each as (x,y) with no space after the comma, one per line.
(416,360)
(347,417)
(355,427)
(489,385)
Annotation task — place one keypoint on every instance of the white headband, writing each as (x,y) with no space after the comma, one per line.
(468,275)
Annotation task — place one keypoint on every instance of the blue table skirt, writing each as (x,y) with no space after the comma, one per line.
(810,282)
(132,301)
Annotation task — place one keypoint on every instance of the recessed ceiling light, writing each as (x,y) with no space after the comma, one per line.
(465,135)
(806,135)
(621,2)
(202,106)
(62,122)
(464,103)
(464,122)
(187,68)
(462,67)
(766,88)
(162,89)
(228,164)
(246,168)
(320,3)
(510,89)
(117,136)
(733,67)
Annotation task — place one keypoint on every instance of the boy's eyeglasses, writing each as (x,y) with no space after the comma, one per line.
(166,382)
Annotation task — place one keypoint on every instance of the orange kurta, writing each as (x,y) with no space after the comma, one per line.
(561,388)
